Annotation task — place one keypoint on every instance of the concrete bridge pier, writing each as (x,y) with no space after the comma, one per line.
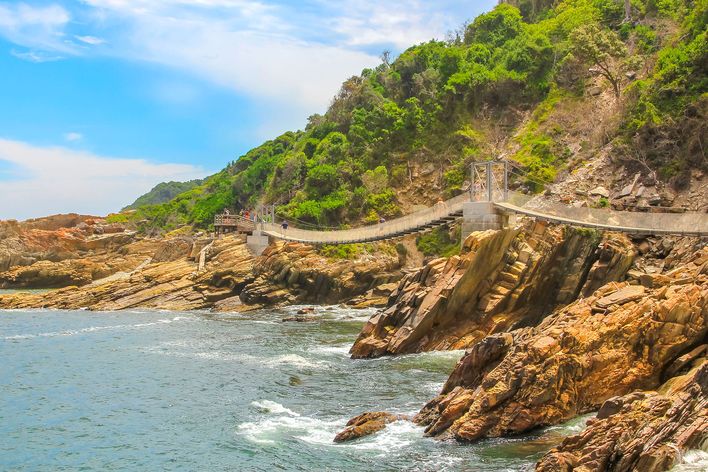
(480,216)
(257,242)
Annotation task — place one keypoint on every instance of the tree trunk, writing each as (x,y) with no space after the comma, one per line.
(627,11)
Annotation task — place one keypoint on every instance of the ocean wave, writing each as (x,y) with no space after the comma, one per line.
(339,350)
(92,329)
(693,461)
(268,406)
(281,422)
(296,361)
(334,312)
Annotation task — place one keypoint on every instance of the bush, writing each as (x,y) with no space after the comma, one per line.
(438,243)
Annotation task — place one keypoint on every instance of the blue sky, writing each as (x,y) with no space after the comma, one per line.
(102,99)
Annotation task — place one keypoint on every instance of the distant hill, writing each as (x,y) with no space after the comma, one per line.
(163,192)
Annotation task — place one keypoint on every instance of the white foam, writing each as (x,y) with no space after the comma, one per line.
(693,461)
(92,329)
(279,422)
(394,436)
(339,350)
(434,388)
(296,361)
(268,406)
(283,422)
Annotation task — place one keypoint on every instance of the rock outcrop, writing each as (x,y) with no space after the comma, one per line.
(65,250)
(620,339)
(366,424)
(296,273)
(502,280)
(165,274)
(643,431)
(172,285)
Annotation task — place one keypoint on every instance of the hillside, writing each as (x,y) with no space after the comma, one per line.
(163,192)
(565,88)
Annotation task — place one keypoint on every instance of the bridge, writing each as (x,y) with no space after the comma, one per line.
(489,204)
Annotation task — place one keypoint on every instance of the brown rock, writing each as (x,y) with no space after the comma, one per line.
(645,432)
(301,318)
(506,278)
(620,297)
(572,362)
(366,424)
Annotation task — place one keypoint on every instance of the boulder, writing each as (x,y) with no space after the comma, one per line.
(600,191)
(366,424)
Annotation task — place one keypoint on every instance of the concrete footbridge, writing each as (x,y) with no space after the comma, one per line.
(488,205)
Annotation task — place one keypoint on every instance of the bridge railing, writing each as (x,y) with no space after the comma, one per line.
(374,232)
(689,223)
(234,220)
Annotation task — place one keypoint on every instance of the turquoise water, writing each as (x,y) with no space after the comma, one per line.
(194,391)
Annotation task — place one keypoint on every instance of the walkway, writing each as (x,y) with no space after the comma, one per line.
(686,224)
(417,222)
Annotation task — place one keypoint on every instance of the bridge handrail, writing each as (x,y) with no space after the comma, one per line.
(377,231)
(693,223)
(232,220)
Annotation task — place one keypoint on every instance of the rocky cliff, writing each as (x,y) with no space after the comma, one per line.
(64,250)
(620,339)
(643,431)
(297,273)
(502,280)
(165,275)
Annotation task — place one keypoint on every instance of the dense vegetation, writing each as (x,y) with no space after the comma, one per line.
(447,103)
(163,192)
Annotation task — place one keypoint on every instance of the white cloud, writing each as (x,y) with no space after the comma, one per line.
(243,45)
(40,27)
(294,56)
(92,40)
(59,180)
(73,136)
(35,56)
(401,23)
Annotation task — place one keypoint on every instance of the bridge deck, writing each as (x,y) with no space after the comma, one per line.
(687,224)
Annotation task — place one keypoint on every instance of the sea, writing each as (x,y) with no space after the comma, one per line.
(197,391)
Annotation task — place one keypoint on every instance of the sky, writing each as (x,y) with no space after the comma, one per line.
(100,100)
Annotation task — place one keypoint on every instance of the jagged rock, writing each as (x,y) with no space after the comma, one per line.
(600,192)
(505,278)
(681,362)
(366,424)
(300,318)
(572,362)
(163,274)
(173,249)
(166,285)
(620,297)
(294,273)
(642,431)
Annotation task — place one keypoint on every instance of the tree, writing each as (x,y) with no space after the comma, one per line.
(603,49)
(386,57)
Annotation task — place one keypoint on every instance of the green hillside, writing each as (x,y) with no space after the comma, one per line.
(496,87)
(163,192)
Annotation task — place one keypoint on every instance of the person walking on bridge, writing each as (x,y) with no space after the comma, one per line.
(284,225)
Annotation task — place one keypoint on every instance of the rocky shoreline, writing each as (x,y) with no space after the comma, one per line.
(556,322)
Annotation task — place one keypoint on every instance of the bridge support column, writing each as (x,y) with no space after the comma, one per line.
(257,242)
(480,216)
